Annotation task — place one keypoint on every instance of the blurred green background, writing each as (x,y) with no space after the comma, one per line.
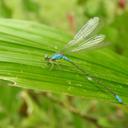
(20,108)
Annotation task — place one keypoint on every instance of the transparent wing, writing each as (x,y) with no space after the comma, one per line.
(90,43)
(85,31)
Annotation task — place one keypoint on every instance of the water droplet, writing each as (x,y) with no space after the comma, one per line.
(89,78)
(69,85)
(69,82)
(55,47)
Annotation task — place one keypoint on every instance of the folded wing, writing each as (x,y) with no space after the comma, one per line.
(82,39)
(95,41)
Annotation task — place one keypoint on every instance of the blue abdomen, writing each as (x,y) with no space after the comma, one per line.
(57,57)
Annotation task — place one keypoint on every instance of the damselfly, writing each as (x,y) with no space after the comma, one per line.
(85,39)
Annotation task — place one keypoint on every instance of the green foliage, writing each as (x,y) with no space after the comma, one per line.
(23,45)
(5,11)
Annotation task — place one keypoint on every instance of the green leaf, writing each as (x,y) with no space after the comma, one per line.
(30,5)
(23,45)
(5,11)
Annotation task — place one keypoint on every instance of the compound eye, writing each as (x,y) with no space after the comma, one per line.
(46,57)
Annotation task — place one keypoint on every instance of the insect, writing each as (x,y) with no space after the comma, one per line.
(83,40)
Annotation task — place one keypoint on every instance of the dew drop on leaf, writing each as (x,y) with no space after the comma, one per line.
(69,82)
(89,78)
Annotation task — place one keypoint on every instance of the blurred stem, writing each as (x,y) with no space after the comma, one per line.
(73,110)
(67,106)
